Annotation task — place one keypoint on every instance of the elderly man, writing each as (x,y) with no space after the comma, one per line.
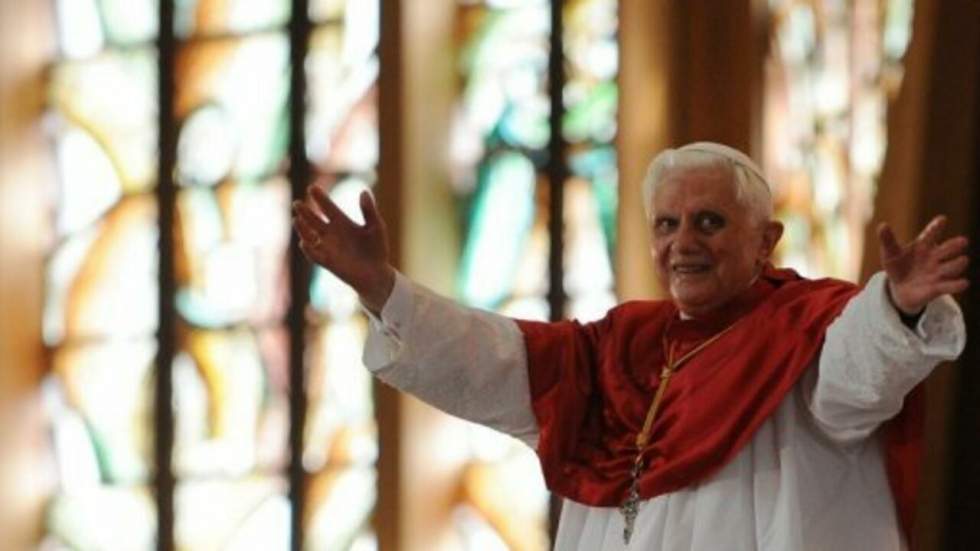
(753,410)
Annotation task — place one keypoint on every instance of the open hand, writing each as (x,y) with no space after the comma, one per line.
(356,254)
(924,268)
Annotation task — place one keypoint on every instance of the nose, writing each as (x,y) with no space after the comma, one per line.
(686,238)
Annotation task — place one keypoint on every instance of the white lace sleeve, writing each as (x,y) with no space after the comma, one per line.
(871,360)
(466,362)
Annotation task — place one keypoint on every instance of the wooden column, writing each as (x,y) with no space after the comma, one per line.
(689,71)
(27,45)
(420,447)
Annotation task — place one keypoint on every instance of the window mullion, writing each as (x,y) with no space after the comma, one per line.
(299,175)
(166,332)
(557,167)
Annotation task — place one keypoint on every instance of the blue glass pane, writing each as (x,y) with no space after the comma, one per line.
(503,59)
(499,223)
(598,166)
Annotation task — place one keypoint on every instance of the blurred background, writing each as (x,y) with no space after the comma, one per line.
(174,376)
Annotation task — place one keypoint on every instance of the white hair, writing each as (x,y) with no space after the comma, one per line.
(752,190)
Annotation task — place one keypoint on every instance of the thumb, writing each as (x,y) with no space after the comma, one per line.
(889,245)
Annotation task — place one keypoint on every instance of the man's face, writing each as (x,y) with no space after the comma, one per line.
(706,246)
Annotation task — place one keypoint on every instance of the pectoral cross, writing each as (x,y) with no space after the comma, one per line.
(631,506)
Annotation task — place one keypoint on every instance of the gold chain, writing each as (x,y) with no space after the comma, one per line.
(670,367)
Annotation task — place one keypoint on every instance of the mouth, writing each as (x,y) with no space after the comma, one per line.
(690,268)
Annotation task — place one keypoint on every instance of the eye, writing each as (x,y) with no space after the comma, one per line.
(710,222)
(664,224)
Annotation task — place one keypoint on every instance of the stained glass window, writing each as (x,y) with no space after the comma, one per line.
(231,228)
(591,97)
(100,314)
(832,69)
(503,134)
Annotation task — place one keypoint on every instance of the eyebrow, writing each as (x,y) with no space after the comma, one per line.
(702,212)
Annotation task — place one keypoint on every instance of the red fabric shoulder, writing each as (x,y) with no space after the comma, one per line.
(591,385)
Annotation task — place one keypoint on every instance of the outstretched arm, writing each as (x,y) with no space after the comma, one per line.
(466,362)
(891,335)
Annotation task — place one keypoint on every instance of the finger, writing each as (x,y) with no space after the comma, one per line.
(328,207)
(369,210)
(953,268)
(306,232)
(933,230)
(952,286)
(950,248)
(312,219)
(889,245)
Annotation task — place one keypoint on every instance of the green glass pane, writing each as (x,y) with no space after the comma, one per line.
(102,282)
(593,117)
(239,515)
(231,402)
(233,91)
(503,62)
(499,222)
(340,427)
(112,101)
(342,122)
(231,253)
(87,26)
(102,517)
(590,92)
(99,402)
(204,17)
(340,502)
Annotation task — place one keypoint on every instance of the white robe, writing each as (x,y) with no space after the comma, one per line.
(812,477)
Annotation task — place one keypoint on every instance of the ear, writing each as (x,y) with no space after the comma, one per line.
(771,233)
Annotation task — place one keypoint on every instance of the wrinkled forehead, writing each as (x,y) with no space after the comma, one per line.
(712,186)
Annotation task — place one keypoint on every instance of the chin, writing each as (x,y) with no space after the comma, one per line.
(696,303)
